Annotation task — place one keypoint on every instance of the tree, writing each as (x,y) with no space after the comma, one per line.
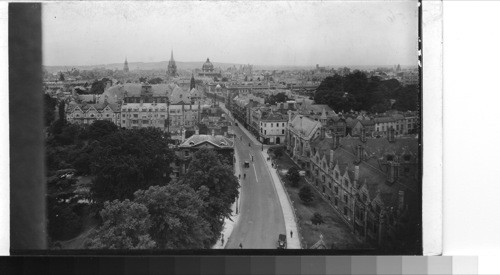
(99,129)
(176,216)
(49,109)
(126,226)
(62,112)
(128,160)
(61,76)
(98,87)
(317,219)
(224,79)
(155,80)
(189,133)
(279,151)
(293,176)
(306,194)
(246,78)
(206,170)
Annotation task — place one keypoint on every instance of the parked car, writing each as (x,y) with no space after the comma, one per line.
(282,241)
(247,164)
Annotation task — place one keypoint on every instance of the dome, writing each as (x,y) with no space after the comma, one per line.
(208,66)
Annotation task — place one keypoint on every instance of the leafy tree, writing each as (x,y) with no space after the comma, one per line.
(279,97)
(98,87)
(126,226)
(189,133)
(306,194)
(62,112)
(128,160)
(317,219)
(293,176)
(63,223)
(176,211)
(49,109)
(206,170)
(99,129)
(61,76)
(224,79)
(155,80)
(279,152)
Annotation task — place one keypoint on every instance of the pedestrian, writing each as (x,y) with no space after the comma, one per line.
(241,246)
(291,234)
(222,241)
(244,176)
(239,176)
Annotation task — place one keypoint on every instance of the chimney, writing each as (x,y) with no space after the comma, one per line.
(196,131)
(335,141)
(289,116)
(213,132)
(363,134)
(391,134)
(391,174)
(183,135)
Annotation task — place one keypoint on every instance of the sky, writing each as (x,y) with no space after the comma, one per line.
(300,33)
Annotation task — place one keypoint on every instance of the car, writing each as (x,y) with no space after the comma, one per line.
(281,241)
(247,164)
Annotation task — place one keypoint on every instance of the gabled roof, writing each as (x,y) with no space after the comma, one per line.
(303,125)
(216,140)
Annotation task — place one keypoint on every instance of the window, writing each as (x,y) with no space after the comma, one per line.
(336,175)
(186,153)
(336,190)
(265,132)
(123,121)
(136,115)
(346,199)
(330,185)
(345,211)
(406,169)
(336,202)
(282,132)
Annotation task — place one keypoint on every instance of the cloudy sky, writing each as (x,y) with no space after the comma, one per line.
(329,33)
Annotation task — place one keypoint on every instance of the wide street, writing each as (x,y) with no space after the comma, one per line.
(261,217)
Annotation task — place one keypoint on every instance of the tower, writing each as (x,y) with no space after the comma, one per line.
(193,83)
(172,68)
(125,66)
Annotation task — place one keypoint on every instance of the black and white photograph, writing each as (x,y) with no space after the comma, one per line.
(199,125)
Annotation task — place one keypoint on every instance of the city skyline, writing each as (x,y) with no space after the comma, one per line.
(279,34)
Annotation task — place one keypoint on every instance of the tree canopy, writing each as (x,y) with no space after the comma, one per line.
(207,171)
(176,211)
(293,176)
(355,91)
(306,195)
(128,160)
(279,97)
(126,226)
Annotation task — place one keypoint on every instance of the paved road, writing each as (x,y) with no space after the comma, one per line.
(261,217)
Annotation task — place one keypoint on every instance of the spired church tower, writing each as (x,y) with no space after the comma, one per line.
(172,68)
(125,66)
(193,83)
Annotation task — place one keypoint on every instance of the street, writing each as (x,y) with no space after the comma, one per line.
(261,218)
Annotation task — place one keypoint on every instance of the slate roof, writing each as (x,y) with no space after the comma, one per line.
(216,140)
(303,125)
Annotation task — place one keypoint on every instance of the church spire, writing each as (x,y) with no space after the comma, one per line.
(172,55)
(125,66)
(193,82)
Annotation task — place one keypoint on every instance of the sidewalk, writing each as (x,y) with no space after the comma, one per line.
(286,206)
(229,223)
